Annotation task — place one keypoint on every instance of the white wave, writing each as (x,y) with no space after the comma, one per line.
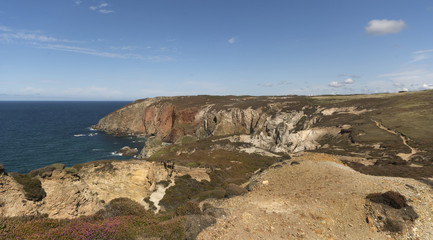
(97,149)
(92,134)
(92,129)
(116,154)
(79,135)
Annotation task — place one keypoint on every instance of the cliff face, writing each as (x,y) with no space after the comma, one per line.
(278,124)
(72,193)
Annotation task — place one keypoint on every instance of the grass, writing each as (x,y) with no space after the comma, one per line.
(225,166)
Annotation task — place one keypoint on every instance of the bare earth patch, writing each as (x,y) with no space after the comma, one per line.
(314,196)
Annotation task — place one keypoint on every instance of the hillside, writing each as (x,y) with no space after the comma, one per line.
(226,167)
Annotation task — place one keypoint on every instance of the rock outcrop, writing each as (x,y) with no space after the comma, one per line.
(274,124)
(127,151)
(73,192)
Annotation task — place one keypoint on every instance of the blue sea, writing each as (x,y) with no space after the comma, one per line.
(37,134)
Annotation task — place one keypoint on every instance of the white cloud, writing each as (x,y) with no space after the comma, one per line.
(348,81)
(335,84)
(424,51)
(34,39)
(232,40)
(105,11)
(427,86)
(27,37)
(419,57)
(78,2)
(102,8)
(414,79)
(384,27)
(89,51)
(265,85)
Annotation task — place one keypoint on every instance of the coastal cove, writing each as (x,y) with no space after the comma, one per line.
(35,134)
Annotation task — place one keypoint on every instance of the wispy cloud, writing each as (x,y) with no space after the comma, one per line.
(421,55)
(88,51)
(265,85)
(124,48)
(102,8)
(33,38)
(284,82)
(27,37)
(4,29)
(232,40)
(78,2)
(424,51)
(12,35)
(384,27)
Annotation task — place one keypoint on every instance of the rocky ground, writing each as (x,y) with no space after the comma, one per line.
(314,196)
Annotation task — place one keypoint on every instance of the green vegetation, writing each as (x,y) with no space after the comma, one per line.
(227,167)
(121,219)
(31,185)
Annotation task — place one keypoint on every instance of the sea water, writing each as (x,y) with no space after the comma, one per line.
(37,134)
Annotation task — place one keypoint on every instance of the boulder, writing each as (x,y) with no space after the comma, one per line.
(2,170)
(127,151)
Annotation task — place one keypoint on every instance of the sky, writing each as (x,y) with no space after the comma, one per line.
(131,49)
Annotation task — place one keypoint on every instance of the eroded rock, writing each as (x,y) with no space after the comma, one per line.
(127,151)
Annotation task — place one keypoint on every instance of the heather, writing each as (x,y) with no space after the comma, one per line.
(121,219)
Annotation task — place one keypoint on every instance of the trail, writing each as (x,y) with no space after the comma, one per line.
(157,196)
(404,156)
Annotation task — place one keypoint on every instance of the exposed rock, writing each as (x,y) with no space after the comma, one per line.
(127,151)
(152,145)
(266,127)
(2,170)
(86,191)
(390,212)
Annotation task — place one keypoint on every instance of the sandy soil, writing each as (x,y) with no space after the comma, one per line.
(319,198)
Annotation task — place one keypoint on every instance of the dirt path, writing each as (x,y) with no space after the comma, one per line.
(404,156)
(318,198)
(159,194)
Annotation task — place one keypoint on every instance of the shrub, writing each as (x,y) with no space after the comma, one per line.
(71,170)
(32,186)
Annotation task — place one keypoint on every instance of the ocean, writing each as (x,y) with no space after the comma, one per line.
(37,134)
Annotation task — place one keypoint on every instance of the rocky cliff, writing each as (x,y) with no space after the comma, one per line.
(279,124)
(239,161)
(73,192)
(286,124)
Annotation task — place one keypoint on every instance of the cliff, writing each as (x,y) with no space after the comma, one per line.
(287,124)
(324,167)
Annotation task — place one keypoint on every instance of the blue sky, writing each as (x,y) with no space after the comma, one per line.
(130,49)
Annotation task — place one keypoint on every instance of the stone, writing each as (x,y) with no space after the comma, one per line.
(2,170)
(127,151)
